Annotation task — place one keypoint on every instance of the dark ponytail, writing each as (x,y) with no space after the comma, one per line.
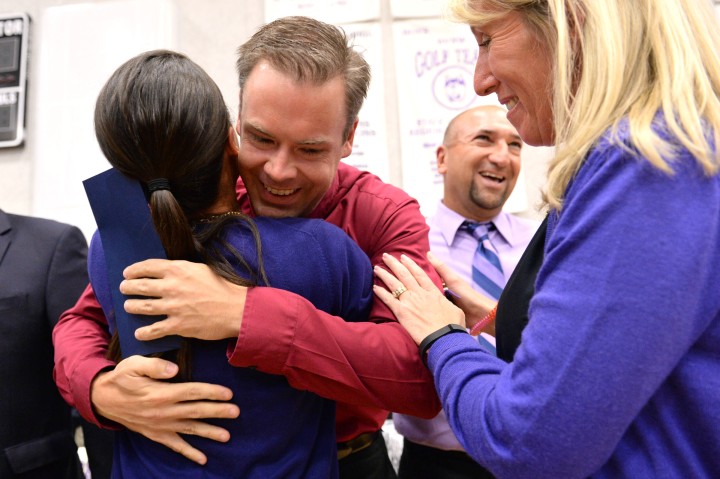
(161,117)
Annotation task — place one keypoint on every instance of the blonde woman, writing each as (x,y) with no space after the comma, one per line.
(618,371)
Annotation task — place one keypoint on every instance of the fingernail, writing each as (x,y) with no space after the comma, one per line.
(139,335)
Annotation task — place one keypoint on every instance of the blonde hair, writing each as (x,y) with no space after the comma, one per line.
(616,59)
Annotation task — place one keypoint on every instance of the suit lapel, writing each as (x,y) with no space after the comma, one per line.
(5,228)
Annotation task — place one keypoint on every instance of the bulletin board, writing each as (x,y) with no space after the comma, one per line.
(435,61)
(370,150)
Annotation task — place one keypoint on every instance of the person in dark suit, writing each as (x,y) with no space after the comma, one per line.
(42,273)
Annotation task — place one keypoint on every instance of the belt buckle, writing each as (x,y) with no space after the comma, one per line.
(345,452)
(363,441)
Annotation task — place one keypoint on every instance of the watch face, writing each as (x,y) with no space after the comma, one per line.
(13,61)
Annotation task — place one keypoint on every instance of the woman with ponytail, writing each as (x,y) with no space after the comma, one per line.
(160,119)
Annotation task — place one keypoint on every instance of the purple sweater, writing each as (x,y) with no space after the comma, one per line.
(618,373)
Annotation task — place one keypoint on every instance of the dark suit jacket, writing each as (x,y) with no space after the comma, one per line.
(42,273)
(514,302)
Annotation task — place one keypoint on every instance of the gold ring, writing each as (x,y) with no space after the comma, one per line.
(399,291)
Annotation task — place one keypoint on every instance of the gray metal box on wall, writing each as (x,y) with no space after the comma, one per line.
(14,37)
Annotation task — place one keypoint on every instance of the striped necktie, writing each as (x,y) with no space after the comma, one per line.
(487,272)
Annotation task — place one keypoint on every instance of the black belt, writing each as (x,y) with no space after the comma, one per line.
(363,441)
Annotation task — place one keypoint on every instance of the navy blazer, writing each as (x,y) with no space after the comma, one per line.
(514,302)
(42,273)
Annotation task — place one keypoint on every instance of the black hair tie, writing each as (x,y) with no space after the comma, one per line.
(158,184)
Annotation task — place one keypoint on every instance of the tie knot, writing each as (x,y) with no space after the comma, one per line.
(478,230)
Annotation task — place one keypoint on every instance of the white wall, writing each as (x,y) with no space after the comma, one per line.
(209,32)
(31,180)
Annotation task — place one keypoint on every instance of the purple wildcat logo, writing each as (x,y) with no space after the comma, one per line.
(453,88)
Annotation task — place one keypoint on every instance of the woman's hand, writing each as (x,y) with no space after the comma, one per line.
(476,306)
(414,299)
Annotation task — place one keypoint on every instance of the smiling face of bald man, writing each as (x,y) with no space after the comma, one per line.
(480,162)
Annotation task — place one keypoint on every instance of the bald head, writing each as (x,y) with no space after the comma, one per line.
(479,160)
(490,110)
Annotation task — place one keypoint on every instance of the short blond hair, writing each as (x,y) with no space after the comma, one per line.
(309,51)
(635,59)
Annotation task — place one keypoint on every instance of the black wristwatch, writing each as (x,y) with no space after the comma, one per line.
(432,337)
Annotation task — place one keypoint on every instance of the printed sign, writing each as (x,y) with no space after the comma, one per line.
(435,62)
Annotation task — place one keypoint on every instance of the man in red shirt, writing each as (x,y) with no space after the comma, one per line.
(301,87)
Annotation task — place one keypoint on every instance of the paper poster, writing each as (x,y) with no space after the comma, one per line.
(435,61)
(330,11)
(417,8)
(370,148)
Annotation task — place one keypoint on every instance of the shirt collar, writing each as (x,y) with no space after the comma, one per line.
(327,203)
(448,222)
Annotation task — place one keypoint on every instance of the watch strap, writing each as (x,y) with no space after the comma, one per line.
(432,337)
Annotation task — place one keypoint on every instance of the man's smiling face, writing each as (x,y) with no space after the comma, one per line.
(480,162)
(291,140)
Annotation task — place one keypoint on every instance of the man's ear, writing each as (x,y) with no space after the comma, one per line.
(347,146)
(440,155)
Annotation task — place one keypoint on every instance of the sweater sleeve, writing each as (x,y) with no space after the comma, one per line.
(619,302)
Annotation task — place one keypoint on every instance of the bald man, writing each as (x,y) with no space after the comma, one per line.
(479,159)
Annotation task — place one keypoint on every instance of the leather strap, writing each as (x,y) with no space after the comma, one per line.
(432,337)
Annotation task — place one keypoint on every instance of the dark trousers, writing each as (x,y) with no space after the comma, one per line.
(372,462)
(51,460)
(99,448)
(423,462)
